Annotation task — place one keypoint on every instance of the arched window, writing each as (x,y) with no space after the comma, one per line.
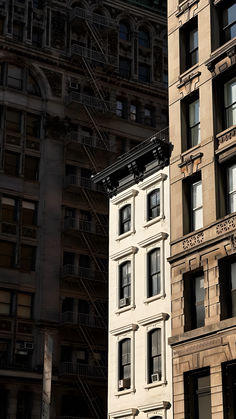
(125,219)
(144,38)
(124,31)
(124,364)
(154,356)
(125,284)
(153,204)
(154,273)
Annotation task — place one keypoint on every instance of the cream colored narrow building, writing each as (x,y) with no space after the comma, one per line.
(202,114)
(139,368)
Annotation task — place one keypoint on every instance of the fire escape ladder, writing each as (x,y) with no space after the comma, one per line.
(95,125)
(92,78)
(91,158)
(91,396)
(90,291)
(92,345)
(97,38)
(92,206)
(91,251)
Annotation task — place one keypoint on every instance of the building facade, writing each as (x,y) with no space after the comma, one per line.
(202,89)
(139,366)
(80,83)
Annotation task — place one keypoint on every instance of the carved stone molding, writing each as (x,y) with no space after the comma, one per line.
(187,79)
(190,164)
(185,7)
(226,136)
(226,226)
(193,240)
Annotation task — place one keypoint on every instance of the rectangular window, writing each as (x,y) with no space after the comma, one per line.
(148,120)
(18,31)
(24,405)
(144,73)
(192,52)
(125,219)
(33,125)
(154,361)
(188,45)
(124,364)
(133,112)
(231,188)
(227,276)
(7,254)
(13,120)
(14,77)
(125,284)
(229,385)
(27,258)
(24,306)
(197,392)
(8,210)
(230,103)
(37,37)
(11,163)
(228,16)
(154,273)
(28,213)
(31,168)
(196,206)
(120,108)
(124,67)
(5,303)
(194,123)
(194,308)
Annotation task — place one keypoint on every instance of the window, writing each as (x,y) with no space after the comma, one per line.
(133,112)
(31,168)
(24,306)
(14,77)
(154,358)
(144,73)
(197,394)
(193,123)
(229,385)
(125,284)
(143,38)
(5,303)
(125,219)
(27,258)
(148,116)
(13,120)
(231,188)
(227,275)
(153,203)
(120,108)
(24,405)
(194,294)
(9,210)
(154,273)
(33,125)
(7,254)
(11,163)
(18,31)
(229,22)
(124,364)
(189,45)
(230,102)
(196,206)
(29,213)
(32,86)
(37,37)
(124,67)
(124,31)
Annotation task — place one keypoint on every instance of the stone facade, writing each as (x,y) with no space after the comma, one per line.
(203,346)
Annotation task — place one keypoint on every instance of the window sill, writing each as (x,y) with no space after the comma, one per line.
(153,221)
(124,392)
(186,73)
(190,150)
(124,309)
(124,235)
(154,298)
(224,137)
(156,384)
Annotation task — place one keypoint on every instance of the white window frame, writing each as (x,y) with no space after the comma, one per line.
(156,182)
(127,198)
(153,323)
(149,244)
(126,255)
(155,409)
(125,332)
(195,209)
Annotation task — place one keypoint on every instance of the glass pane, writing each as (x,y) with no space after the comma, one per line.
(195,135)
(193,39)
(197,194)
(200,316)
(5,297)
(197,219)
(14,78)
(232,178)
(156,287)
(5,309)
(231,116)
(233,299)
(194,113)
(24,299)
(199,289)
(229,15)
(204,397)
(233,275)
(24,312)
(230,92)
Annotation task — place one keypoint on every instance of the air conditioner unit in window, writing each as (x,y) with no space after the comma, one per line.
(156,377)
(28,346)
(124,302)
(124,384)
(73,85)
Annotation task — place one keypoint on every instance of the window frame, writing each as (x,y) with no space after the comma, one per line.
(194,209)
(153,272)
(127,34)
(151,357)
(190,303)
(144,41)
(192,393)
(121,364)
(123,286)
(157,193)
(124,221)
(223,29)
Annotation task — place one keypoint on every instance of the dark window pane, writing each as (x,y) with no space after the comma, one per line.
(11,163)
(18,32)
(32,86)
(154,275)
(5,302)
(7,253)
(14,77)
(144,73)
(125,219)
(124,32)
(13,120)
(27,258)
(143,38)
(197,394)
(124,67)
(24,305)
(32,125)
(31,168)
(24,405)
(28,213)
(8,210)
(125,282)
(229,22)
(154,204)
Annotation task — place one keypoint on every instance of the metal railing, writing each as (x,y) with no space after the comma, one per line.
(93,321)
(91,101)
(83,370)
(93,55)
(83,182)
(84,273)
(85,226)
(94,18)
(91,141)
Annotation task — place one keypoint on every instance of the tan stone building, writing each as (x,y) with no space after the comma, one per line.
(202,94)
(80,83)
